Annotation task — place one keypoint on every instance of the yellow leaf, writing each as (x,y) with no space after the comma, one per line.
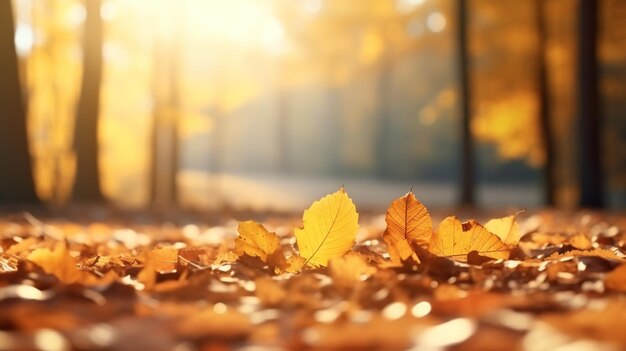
(329,229)
(256,241)
(455,240)
(408,219)
(506,228)
(294,264)
(59,263)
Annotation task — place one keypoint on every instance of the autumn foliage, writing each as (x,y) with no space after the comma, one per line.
(353,281)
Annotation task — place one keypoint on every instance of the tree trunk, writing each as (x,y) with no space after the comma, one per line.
(589,112)
(87,183)
(467,144)
(383,115)
(544,115)
(165,141)
(16,179)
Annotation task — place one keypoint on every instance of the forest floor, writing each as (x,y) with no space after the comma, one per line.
(94,279)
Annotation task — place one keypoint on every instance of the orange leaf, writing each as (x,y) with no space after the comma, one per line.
(256,241)
(616,279)
(59,263)
(456,240)
(408,219)
(159,260)
(506,228)
(399,249)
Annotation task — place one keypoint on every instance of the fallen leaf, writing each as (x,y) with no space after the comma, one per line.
(580,241)
(329,229)
(225,257)
(349,269)
(607,254)
(294,264)
(269,291)
(455,240)
(408,219)
(159,260)
(506,228)
(256,241)
(212,322)
(616,279)
(399,250)
(59,263)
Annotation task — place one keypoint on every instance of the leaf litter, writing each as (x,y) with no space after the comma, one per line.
(520,282)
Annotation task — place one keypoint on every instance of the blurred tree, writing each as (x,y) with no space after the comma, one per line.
(591,175)
(16,185)
(543,110)
(467,145)
(167,107)
(87,179)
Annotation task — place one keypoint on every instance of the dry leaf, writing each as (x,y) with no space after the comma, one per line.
(616,279)
(399,250)
(256,241)
(225,257)
(329,229)
(506,228)
(159,260)
(294,264)
(59,263)
(213,322)
(580,241)
(408,219)
(455,240)
(607,254)
(269,292)
(350,269)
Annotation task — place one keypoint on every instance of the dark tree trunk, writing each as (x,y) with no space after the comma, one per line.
(16,179)
(544,113)
(589,112)
(87,183)
(467,144)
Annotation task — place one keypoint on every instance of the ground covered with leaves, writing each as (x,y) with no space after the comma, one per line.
(330,279)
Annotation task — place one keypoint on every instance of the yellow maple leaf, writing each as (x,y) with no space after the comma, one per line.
(329,229)
(456,240)
(506,228)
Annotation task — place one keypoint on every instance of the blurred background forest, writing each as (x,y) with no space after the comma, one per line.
(268,104)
